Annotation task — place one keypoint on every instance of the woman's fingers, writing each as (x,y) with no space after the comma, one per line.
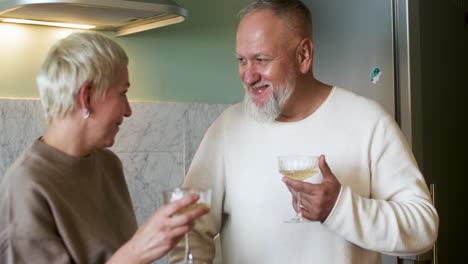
(188,217)
(173,207)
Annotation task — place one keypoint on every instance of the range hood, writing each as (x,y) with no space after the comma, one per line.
(122,16)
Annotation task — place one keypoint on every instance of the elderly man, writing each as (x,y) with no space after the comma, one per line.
(372,198)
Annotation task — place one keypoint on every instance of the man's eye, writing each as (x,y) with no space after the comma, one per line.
(241,60)
(261,60)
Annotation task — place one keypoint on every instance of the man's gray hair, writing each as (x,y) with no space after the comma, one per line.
(81,57)
(293,12)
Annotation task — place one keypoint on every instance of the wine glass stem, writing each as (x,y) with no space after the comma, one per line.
(188,254)
(298,205)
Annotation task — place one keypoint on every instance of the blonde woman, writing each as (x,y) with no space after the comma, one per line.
(65,199)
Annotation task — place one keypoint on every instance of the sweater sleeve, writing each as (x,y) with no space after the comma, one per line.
(28,250)
(30,234)
(206,171)
(398,218)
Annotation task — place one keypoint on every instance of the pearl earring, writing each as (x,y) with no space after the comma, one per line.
(86,113)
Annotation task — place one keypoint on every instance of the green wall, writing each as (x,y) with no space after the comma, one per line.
(192,61)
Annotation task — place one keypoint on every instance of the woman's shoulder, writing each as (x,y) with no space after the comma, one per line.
(26,177)
(23,168)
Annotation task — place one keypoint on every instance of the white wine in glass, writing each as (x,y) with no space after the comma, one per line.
(300,168)
(204,201)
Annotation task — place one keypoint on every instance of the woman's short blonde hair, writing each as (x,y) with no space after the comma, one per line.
(79,58)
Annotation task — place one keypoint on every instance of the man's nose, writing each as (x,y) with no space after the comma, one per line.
(250,75)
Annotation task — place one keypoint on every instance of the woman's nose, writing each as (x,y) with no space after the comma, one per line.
(128,109)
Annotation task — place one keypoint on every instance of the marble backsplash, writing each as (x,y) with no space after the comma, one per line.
(156,144)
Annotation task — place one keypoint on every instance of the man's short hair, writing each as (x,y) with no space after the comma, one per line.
(81,57)
(293,12)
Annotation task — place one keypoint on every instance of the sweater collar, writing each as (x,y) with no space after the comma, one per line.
(63,160)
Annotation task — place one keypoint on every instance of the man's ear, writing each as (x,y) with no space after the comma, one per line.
(305,55)
(84,95)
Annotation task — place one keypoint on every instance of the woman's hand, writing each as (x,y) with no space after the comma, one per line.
(160,233)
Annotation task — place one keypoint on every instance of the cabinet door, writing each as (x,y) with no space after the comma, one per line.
(351,38)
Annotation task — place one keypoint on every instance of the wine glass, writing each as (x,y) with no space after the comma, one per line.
(204,201)
(298,167)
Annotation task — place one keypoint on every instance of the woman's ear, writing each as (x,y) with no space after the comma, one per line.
(84,95)
(304,55)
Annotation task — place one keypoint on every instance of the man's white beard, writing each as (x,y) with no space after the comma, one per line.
(273,108)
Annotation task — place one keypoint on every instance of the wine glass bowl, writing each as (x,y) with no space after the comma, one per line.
(300,168)
(204,201)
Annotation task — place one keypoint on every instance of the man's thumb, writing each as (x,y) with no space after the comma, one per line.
(326,172)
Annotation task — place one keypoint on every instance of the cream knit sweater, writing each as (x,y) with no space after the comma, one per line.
(384,204)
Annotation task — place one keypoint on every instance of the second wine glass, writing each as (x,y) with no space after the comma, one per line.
(204,201)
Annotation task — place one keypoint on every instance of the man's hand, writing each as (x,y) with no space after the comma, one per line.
(317,200)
